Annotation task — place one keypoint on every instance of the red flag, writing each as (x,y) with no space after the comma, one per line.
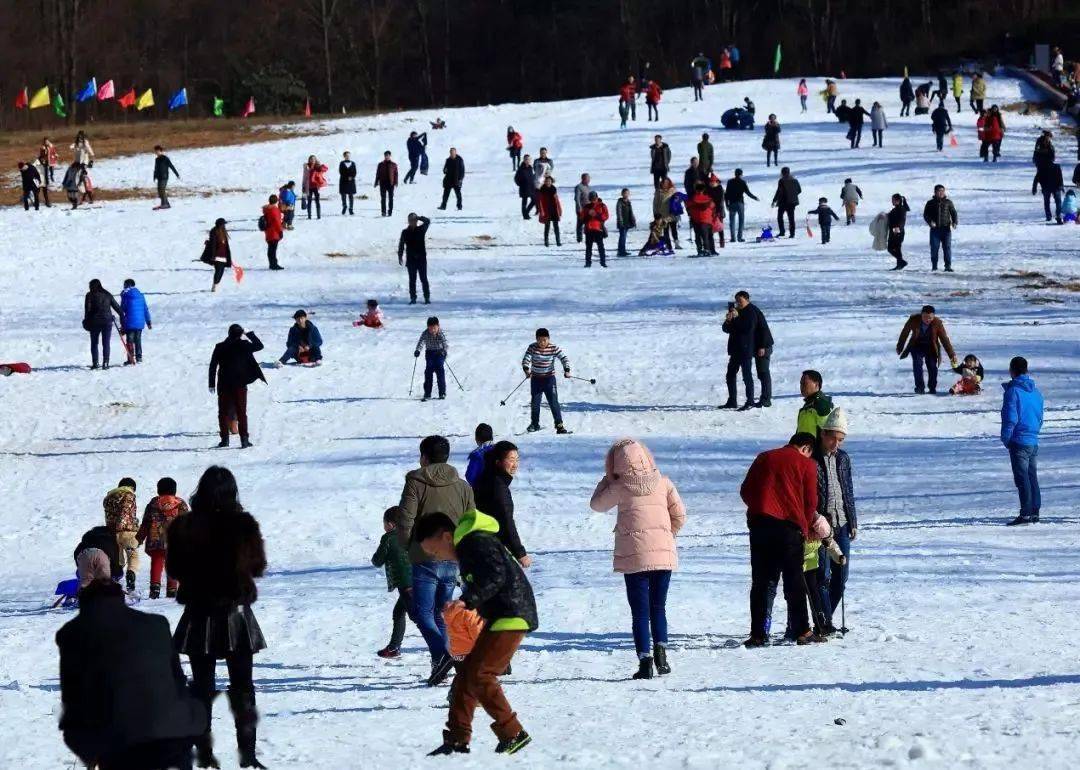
(307,108)
(238,272)
(127,100)
(22,99)
(249,108)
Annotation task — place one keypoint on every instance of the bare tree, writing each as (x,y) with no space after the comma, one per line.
(425,50)
(322,13)
(67,18)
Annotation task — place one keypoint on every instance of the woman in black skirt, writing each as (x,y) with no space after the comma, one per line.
(216,552)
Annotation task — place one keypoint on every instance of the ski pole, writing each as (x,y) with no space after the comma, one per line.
(843,619)
(413,376)
(455,377)
(512,392)
(583,379)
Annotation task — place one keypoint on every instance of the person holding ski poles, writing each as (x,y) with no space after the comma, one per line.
(435,347)
(538,364)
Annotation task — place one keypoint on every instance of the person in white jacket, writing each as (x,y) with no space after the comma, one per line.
(878,124)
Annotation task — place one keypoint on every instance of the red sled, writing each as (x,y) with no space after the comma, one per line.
(6,370)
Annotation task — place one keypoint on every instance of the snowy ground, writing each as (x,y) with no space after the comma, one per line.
(963,631)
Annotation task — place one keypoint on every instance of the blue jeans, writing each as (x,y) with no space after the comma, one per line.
(831,577)
(917,358)
(941,238)
(622,241)
(1026,477)
(736,210)
(647,594)
(434,366)
(545,386)
(134,341)
(433,586)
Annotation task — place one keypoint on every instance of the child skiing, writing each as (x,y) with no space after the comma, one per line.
(373,317)
(433,341)
(825,215)
(392,555)
(122,520)
(159,514)
(539,366)
(850,195)
(494,585)
(971,376)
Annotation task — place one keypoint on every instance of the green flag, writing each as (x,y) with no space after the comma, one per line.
(776,60)
(58,105)
(219,107)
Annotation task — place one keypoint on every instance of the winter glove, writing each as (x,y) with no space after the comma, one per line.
(149,325)
(416,353)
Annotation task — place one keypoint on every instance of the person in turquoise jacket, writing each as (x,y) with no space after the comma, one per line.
(1021,421)
(136,318)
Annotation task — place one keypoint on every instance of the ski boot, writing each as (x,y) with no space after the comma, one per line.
(130,581)
(645,669)
(515,744)
(155,591)
(660,657)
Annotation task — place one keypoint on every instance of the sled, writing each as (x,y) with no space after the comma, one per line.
(238,273)
(463,626)
(953,142)
(67,593)
(6,370)
(124,342)
(809,231)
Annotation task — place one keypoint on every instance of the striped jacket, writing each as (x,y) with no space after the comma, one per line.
(541,360)
(435,343)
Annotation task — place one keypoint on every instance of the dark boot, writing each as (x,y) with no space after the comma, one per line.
(224,443)
(204,752)
(245,717)
(155,590)
(130,580)
(645,669)
(660,656)
(244,443)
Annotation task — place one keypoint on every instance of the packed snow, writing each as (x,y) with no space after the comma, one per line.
(963,632)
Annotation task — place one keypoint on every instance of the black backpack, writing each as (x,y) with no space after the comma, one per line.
(262,222)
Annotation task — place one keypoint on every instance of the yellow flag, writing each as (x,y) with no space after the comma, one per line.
(40,99)
(146,100)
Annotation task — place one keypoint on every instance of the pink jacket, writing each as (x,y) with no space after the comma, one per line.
(650,510)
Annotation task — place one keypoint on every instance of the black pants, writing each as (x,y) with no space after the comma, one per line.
(134,342)
(29,196)
(976,105)
(313,197)
(776,548)
(673,233)
(896,242)
(528,203)
(347,203)
(547,228)
(761,363)
(411,175)
(855,133)
(826,229)
(104,333)
(940,140)
(813,594)
(386,201)
(772,156)
(401,611)
(434,362)
(271,253)
(905,109)
(698,94)
(782,210)
(580,230)
(164,754)
(515,157)
(704,235)
(241,689)
(657,178)
(418,267)
(735,363)
(654,111)
(446,196)
(219,271)
(879,136)
(594,237)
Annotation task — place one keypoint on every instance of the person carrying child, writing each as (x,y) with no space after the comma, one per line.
(159,514)
(122,520)
(433,341)
(825,215)
(392,554)
(971,376)
(372,317)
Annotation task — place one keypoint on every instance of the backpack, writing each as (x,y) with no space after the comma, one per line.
(262,223)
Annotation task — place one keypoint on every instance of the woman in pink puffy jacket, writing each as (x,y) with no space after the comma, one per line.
(650,515)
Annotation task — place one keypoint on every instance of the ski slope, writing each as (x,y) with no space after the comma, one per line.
(963,631)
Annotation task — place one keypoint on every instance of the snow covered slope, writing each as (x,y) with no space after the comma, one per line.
(962,651)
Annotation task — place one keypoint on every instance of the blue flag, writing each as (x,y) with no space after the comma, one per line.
(179,99)
(89,91)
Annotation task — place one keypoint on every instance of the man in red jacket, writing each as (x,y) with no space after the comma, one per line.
(593,215)
(274,230)
(628,96)
(780,492)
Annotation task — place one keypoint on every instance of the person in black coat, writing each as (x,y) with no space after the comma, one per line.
(416,147)
(749,339)
(855,118)
(693,174)
(31,183)
(785,199)
(346,183)
(232,369)
(941,124)
(412,253)
(216,552)
(492,493)
(126,702)
(897,219)
(525,179)
(1048,177)
(907,96)
(98,307)
(453,176)
(104,540)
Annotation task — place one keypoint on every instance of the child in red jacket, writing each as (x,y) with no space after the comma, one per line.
(160,512)
(373,317)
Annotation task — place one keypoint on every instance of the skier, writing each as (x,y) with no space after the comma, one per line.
(836,502)
(549,208)
(923,337)
(304,343)
(162,167)
(939,213)
(273,230)
(659,160)
(737,189)
(31,181)
(514,143)
(878,124)
(215,553)
(136,317)
(699,67)
(786,199)
(160,512)
(624,220)
(594,214)
(992,134)
(628,100)
(803,91)
(701,209)
(412,253)
(287,203)
(492,490)
(705,154)
(1048,177)
(652,100)
(816,404)
(941,124)
(897,219)
(850,195)
(538,364)
(907,96)
(525,179)
(122,519)
(542,167)
(453,176)
(98,320)
(496,588)
(415,146)
(232,369)
(855,118)
(771,142)
(347,183)
(581,198)
(217,251)
(749,339)
(392,554)
(386,179)
(485,439)
(825,216)
(314,181)
(433,342)
(650,515)
(1021,423)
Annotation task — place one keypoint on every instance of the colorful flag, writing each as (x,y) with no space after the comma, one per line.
(179,99)
(905,71)
(107,91)
(58,105)
(22,99)
(307,108)
(89,91)
(146,99)
(127,100)
(40,98)
(776,60)
(249,108)
(219,107)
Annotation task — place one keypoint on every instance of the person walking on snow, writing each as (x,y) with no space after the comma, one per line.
(433,342)
(412,253)
(273,230)
(923,337)
(594,215)
(624,220)
(850,195)
(83,153)
(803,91)
(346,183)
(542,167)
(628,99)
(1021,422)
(836,502)
(232,368)
(538,364)
(581,199)
(978,92)
(878,124)
(993,131)
(855,118)
(692,176)
(304,343)
(31,182)
(525,180)
(940,124)
(957,88)
(136,317)
(705,154)
(98,320)
(122,519)
(218,252)
(1048,177)
(896,220)
(287,203)
(659,160)
(939,213)
(825,217)
(652,100)
(549,209)
(485,440)
(771,142)
(453,176)
(514,143)
(702,211)
(160,512)
(735,194)
(386,179)
(650,515)
(393,556)
(749,340)
(907,96)
(315,180)
(415,146)
(493,497)
(49,159)
(785,200)
(699,66)
(715,191)
(162,167)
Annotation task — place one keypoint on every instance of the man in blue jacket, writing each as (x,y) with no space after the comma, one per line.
(1021,421)
(136,318)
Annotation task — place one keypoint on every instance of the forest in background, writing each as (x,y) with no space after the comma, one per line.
(389,54)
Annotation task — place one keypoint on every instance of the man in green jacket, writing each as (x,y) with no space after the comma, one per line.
(816,405)
(705,155)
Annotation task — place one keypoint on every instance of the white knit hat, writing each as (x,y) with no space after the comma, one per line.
(837,420)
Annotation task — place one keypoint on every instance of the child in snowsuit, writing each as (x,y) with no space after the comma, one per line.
(122,520)
(373,317)
(971,376)
(766,235)
(287,204)
(657,242)
(825,215)
(392,554)
(436,348)
(1069,207)
(157,517)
